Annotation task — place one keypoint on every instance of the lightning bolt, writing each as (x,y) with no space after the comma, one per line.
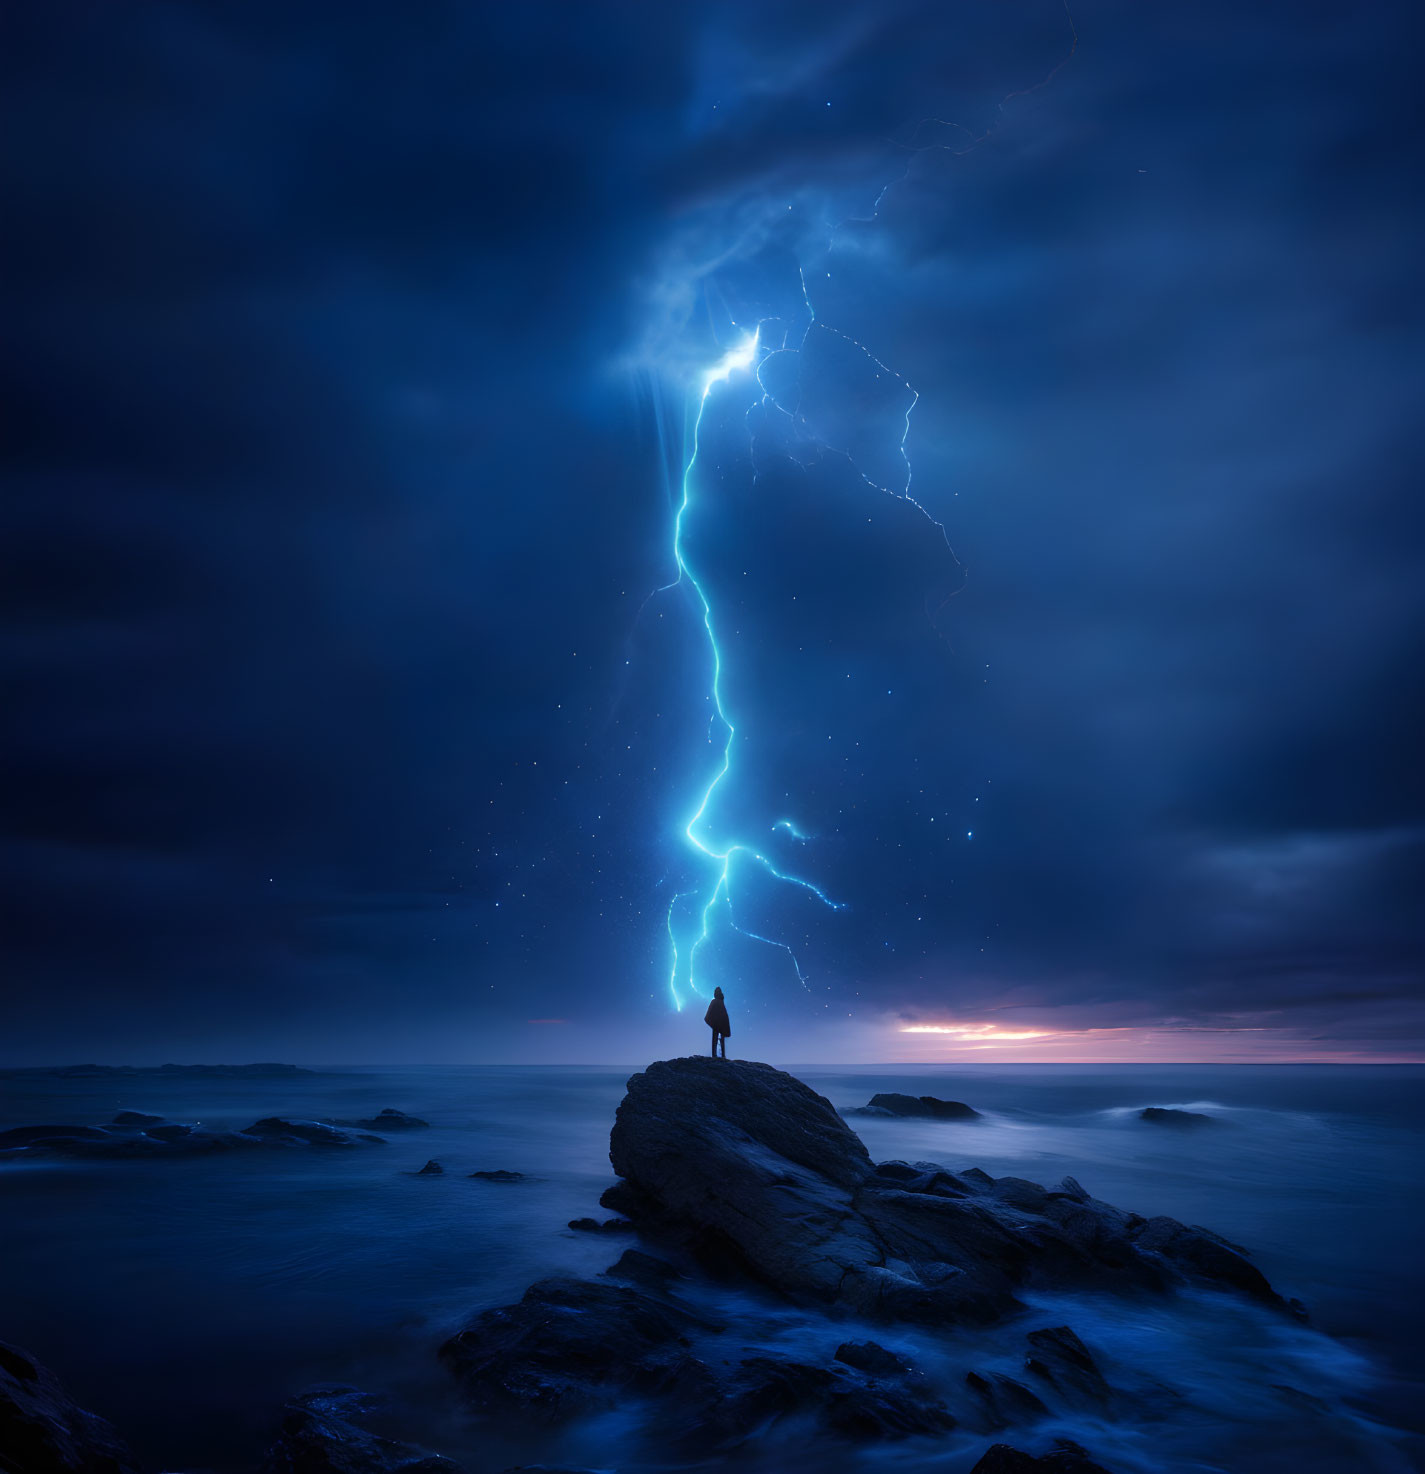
(740,359)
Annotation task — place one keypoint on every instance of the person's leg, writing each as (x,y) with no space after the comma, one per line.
(714,1046)
(722,1044)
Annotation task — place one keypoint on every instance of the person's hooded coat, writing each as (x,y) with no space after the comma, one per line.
(716,1016)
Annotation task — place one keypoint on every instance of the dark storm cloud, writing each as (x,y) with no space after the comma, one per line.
(329,514)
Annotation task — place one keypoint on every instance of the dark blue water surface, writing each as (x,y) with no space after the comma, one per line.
(185,1299)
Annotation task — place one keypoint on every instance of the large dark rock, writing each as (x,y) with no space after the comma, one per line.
(322,1434)
(892,1104)
(1064,1458)
(42,1431)
(499,1174)
(1169,1116)
(750,1170)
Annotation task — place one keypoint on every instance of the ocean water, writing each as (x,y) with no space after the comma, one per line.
(185,1300)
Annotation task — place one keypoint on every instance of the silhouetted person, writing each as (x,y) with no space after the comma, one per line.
(717,1020)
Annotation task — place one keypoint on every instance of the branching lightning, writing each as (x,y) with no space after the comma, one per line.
(743,358)
(737,360)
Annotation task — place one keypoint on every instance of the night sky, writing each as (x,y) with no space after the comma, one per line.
(352,358)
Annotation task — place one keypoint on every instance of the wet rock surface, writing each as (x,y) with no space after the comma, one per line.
(42,1430)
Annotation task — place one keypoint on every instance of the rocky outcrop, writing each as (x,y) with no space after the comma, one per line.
(42,1431)
(431,1169)
(1170,1116)
(499,1174)
(748,1169)
(926,1106)
(322,1434)
(137,1134)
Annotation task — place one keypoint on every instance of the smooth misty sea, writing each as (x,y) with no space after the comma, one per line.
(185,1300)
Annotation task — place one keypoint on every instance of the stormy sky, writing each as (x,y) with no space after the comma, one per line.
(352,361)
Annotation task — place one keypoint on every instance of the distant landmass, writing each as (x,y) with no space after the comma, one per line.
(81,1072)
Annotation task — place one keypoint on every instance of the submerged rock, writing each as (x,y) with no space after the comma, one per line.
(42,1430)
(386,1120)
(1170,1116)
(431,1169)
(321,1435)
(305,1133)
(751,1171)
(499,1175)
(609,1225)
(892,1104)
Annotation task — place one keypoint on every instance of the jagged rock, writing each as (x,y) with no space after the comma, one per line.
(609,1225)
(320,1435)
(1003,1401)
(1063,1458)
(749,1170)
(42,1431)
(1064,1362)
(1167,1116)
(869,1357)
(892,1104)
(431,1169)
(499,1175)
